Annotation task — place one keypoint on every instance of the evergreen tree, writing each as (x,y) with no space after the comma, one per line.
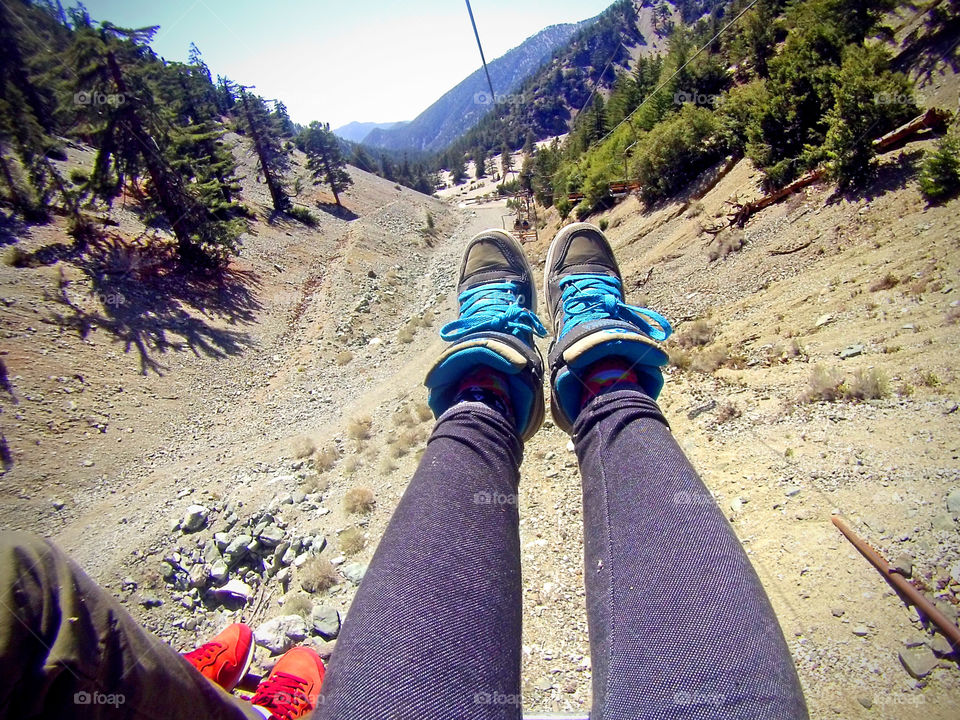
(282,120)
(133,137)
(940,176)
(361,159)
(506,160)
(325,160)
(458,171)
(480,162)
(273,160)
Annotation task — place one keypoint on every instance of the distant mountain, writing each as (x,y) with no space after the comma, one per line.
(463,106)
(357,131)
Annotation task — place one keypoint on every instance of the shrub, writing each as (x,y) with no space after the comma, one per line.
(869,384)
(403,418)
(724,243)
(350,465)
(15,256)
(885,283)
(603,224)
(712,359)
(326,457)
(315,484)
(423,411)
(344,357)
(674,151)
(359,499)
(79,176)
(695,334)
(352,540)
(317,575)
(302,447)
(405,335)
(428,318)
(359,427)
(727,412)
(680,358)
(303,215)
(298,604)
(824,384)
(940,174)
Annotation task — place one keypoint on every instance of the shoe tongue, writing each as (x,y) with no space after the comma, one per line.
(486,257)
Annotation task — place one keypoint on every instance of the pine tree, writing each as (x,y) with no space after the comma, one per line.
(506,160)
(325,160)
(273,159)
(457,169)
(133,137)
(480,162)
(940,175)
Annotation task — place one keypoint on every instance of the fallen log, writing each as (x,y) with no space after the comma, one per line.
(933,118)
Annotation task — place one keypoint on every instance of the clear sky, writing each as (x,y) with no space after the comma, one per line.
(343,60)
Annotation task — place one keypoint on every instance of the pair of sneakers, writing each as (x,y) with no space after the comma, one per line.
(591,324)
(289,692)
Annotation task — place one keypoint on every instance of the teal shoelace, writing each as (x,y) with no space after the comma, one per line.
(493,307)
(600,297)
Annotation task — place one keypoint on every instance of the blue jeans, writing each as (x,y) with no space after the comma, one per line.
(680,626)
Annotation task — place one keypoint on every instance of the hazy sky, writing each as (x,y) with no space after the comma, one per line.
(368,60)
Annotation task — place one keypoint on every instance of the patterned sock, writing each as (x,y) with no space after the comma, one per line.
(611,373)
(487,386)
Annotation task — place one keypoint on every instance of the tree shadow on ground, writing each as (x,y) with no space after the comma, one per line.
(891,175)
(927,47)
(142,296)
(338,211)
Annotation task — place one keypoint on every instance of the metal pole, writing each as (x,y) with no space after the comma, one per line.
(493,96)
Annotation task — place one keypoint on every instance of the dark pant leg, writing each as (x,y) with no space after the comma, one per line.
(434,630)
(69,650)
(680,626)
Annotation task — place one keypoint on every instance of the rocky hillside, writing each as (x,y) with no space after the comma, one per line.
(460,108)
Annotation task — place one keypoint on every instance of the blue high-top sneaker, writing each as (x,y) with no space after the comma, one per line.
(495,329)
(591,322)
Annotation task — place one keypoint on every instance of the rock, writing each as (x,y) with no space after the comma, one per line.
(271,536)
(289,555)
(736,504)
(940,645)
(166,571)
(943,521)
(326,622)
(151,601)
(791,491)
(866,701)
(281,633)
(219,571)
(234,590)
(918,661)
(195,518)
(222,540)
(238,546)
(543,684)
(860,631)
(953,501)
(199,575)
(852,351)
(354,571)
(823,320)
(903,564)
(57,504)
(837,612)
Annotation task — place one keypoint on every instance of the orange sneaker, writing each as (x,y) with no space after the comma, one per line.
(292,688)
(226,658)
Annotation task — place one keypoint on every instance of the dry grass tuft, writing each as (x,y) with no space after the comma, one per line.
(352,540)
(16,256)
(317,575)
(680,358)
(930,379)
(298,604)
(350,465)
(359,427)
(403,418)
(343,357)
(887,282)
(326,457)
(315,484)
(387,465)
(359,499)
(429,316)
(824,385)
(423,412)
(695,334)
(712,359)
(302,447)
(405,335)
(869,384)
(726,412)
(729,241)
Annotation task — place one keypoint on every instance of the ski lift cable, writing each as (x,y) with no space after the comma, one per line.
(493,96)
